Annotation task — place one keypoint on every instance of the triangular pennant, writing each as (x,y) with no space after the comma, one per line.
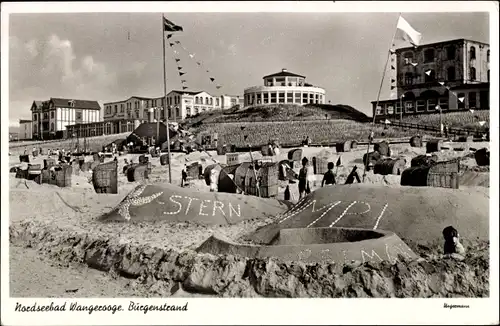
(191,55)
(476,117)
(245,137)
(179,68)
(393,80)
(177,42)
(393,68)
(471,111)
(212,79)
(169,36)
(481,123)
(414,64)
(392,87)
(183,81)
(428,72)
(181,73)
(171,44)
(402,95)
(218,86)
(461,98)
(387,121)
(448,88)
(177,60)
(198,63)
(441,83)
(184,87)
(208,70)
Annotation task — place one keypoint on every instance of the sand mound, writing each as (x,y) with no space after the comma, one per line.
(318,245)
(475,179)
(419,214)
(166,202)
(233,276)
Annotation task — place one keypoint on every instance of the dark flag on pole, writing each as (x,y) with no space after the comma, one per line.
(171,27)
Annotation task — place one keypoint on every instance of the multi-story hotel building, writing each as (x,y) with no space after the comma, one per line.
(51,117)
(126,115)
(452,75)
(284,87)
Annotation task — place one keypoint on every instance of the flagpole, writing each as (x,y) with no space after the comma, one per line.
(378,99)
(165,102)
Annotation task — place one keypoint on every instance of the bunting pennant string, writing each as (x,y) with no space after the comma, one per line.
(171,44)
(169,36)
(198,62)
(393,68)
(177,60)
(179,68)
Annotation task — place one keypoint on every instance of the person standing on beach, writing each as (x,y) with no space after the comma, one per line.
(303,179)
(329,176)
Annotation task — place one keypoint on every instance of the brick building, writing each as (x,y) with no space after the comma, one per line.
(452,75)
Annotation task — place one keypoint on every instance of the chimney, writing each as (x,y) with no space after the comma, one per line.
(284,70)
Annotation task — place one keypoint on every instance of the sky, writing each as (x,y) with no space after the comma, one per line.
(112,56)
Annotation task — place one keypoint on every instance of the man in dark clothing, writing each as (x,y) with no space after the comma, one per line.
(303,180)
(329,176)
(352,175)
(184,176)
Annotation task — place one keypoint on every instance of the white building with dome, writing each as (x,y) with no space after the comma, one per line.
(286,88)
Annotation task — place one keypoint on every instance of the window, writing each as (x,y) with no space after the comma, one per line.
(177,112)
(78,116)
(398,107)
(206,100)
(408,78)
(430,77)
(408,58)
(488,56)
(116,108)
(379,110)
(212,100)
(289,97)
(52,126)
(266,98)
(390,109)
(122,108)
(281,97)
(34,117)
(420,106)
(429,55)
(472,100)
(217,103)
(431,104)
(461,104)
(409,107)
(443,103)
(188,111)
(451,73)
(273,97)
(304,97)
(472,73)
(52,114)
(472,52)
(450,52)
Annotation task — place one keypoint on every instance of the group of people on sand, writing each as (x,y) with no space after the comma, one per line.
(306,177)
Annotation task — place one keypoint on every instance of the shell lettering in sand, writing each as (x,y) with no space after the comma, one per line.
(134,200)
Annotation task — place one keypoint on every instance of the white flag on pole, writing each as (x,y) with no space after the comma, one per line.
(410,34)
